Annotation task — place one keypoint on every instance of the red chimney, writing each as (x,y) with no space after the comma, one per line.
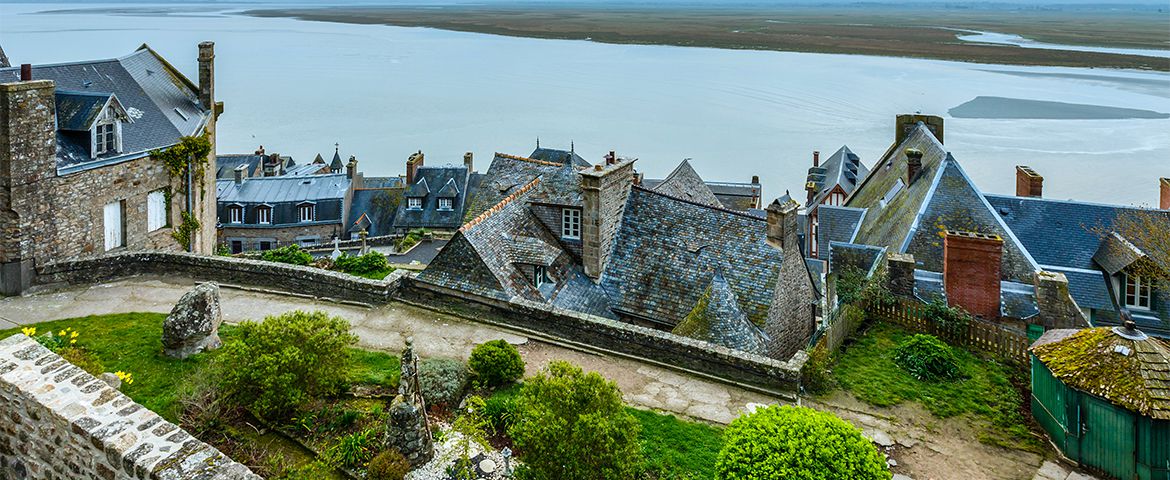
(412,163)
(971,272)
(1028,182)
(816,158)
(1165,200)
(25,72)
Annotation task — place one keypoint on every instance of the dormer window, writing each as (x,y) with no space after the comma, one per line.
(307,212)
(539,276)
(235,214)
(264,215)
(414,203)
(97,115)
(1137,292)
(106,139)
(445,204)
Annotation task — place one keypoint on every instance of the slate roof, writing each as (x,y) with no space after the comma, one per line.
(1131,373)
(226,164)
(663,250)
(743,197)
(717,318)
(843,168)
(335,165)
(1017,300)
(508,173)
(382,182)
(836,224)
(162,104)
(686,184)
(283,189)
(430,184)
(861,257)
(305,170)
(563,157)
(77,111)
(366,204)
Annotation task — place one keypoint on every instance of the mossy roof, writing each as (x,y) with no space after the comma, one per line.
(717,318)
(1092,360)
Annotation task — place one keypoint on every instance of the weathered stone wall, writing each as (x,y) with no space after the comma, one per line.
(1056,305)
(791,317)
(665,348)
(225,270)
(60,422)
(283,235)
(604,194)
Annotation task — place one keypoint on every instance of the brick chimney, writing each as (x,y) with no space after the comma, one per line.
(25,72)
(971,272)
(816,158)
(28,154)
(913,164)
(1028,182)
(904,124)
(604,191)
(241,173)
(1164,202)
(207,75)
(414,161)
(469,162)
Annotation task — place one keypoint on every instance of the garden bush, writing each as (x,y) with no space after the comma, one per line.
(372,262)
(388,465)
(496,363)
(353,450)
(927,358)
(273,367)
(572,424)
(443,381)
(950,319)
(815,376)
(500,409)
(291,254)
(797,443)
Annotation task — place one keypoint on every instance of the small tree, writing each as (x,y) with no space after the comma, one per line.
(572,424)
(273,367)
(290,254)
(797,443)
(496,363)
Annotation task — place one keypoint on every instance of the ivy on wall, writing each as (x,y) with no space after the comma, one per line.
(189,155)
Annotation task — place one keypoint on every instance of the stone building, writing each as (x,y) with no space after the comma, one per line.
(435,196)
(76,173)
(1001,257)
(270,212)
(685,183)
(585,238)
(257,164)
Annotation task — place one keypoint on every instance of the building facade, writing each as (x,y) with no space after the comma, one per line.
(77,176)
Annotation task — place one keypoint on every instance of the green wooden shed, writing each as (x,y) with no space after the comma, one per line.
(1103,396)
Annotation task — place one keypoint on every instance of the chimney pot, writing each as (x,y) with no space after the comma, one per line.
(755,179)
(913,164)
(469,162)
(816,158)
(1164,202)
(1028,182)
(260,151)
(25,72)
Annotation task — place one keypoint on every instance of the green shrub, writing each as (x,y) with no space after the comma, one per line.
(388,465)
(500,409)
(927,358)
(291,254)
(951,319)
(572,424)
(815,376)
(442,381)
(273,367)
(84,359)
(372,262)
(496,363)
(353,450)
(797,443)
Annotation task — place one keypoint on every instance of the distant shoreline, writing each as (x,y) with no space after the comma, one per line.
(886,31)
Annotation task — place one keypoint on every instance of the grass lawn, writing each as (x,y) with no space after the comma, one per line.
(131,342)
(866,369)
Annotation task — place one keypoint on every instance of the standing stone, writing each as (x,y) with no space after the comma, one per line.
(408,432)
(193,325)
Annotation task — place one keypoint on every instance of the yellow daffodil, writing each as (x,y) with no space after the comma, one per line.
(71,342)
(30,331)
(73,335)
(61,333)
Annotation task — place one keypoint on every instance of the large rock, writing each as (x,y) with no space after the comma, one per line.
(193,325)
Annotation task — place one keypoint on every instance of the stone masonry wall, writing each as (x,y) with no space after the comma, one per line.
(283,235)
(60,422)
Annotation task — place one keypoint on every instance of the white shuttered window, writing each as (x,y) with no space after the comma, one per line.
(156,210)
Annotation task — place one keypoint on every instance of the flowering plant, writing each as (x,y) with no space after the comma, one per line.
(128,378)
(66,337)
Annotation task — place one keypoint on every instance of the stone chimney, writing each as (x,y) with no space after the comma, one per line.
(241,173)
(1164,202)
(1057,307)
(755,179)
(351,167)
(782,225)
(900,274)
(469,162)
(816,158)
(791,315)
(207,75)
(260,151)
(1028,182)
(604,191)
(28,154)
(913,164)
(971,272)
(414,161)
(904,124)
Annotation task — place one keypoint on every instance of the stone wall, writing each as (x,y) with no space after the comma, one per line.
(225,270)
(283,235)
(780,377)
(60,422)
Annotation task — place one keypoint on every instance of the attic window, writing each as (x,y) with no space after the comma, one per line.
(414,203)
(539,276)
(106,135)
(894,190)
(445,204)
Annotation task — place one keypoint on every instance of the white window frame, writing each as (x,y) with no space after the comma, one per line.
(1141,293)
(446,203)
(264,215)
(539,274)
(308,208)
(571,223)
(235,214)
(413,203)
(156,210)
(814,228)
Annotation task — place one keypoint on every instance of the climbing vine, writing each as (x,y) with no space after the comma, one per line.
(189,155)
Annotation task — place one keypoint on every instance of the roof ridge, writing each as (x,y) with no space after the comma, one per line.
(499,206)
(526,159)
(1070,201)
(697,204)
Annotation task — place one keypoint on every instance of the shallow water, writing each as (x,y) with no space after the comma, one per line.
(382,92)
(1019,41)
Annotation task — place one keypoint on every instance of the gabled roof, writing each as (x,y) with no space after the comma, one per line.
(419,189)
(78,111)
(661,253)
(283,189)
(717,318)
(508,173)
(451,182)
(836,224)
(686,184)
(449,190)
(1133,373)
(1116,253)
(336,164)
(843,168)
(563,157)
(163,104)
(378,206)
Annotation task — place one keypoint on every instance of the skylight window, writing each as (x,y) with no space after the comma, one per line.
(894,190)
(181,114)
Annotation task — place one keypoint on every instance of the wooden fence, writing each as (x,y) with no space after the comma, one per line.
(979,334)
